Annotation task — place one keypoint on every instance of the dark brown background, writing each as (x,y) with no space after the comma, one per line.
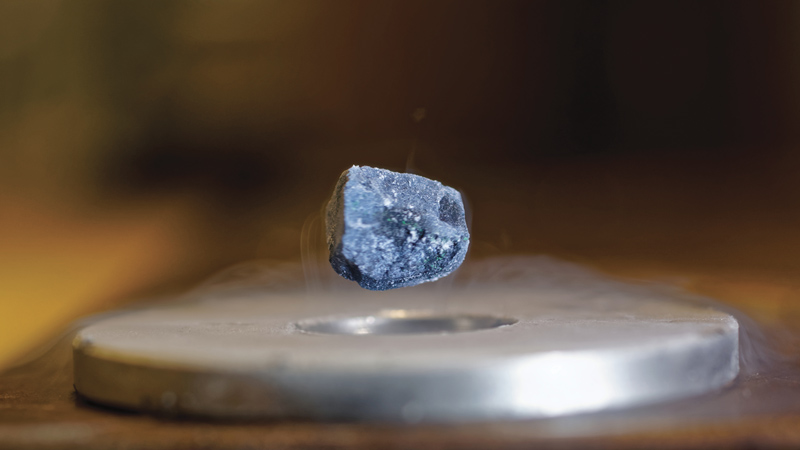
(145,145)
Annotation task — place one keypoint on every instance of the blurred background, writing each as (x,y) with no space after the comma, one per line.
(145,145)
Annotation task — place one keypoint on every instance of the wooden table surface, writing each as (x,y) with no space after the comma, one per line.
(723,241)
(39,408)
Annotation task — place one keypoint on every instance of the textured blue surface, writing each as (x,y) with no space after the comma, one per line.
(387,230)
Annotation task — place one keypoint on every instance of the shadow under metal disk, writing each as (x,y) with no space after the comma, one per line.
(489,352)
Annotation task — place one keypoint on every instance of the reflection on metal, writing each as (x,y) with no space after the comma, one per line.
(493,351)
(398,321)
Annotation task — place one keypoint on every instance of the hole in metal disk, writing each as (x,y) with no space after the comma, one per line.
(402,321)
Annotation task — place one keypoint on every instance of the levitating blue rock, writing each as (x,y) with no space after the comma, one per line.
(388,230)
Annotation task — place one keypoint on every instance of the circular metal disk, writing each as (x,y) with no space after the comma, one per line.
(543,347)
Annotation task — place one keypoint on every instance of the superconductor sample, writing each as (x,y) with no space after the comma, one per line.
(388,230)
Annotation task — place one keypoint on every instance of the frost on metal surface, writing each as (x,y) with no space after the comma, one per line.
(388,230)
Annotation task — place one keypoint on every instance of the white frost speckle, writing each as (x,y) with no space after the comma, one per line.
(360,224)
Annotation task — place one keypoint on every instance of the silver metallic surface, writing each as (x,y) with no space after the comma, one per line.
(404,322)
(494,350)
